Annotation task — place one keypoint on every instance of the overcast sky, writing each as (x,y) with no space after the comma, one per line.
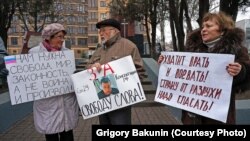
(241,16)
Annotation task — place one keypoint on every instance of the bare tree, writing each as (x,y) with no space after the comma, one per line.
(163,6)
(146,12)
(203,8)
(176,24)
(35,13)
(231,7)
(7,10)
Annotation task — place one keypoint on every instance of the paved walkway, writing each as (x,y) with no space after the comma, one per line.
(141,115)
(147,112)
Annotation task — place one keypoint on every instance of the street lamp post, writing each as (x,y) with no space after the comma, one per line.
(124,23)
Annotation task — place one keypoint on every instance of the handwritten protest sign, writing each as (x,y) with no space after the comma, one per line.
(39,75)
(116,86)
(196,82)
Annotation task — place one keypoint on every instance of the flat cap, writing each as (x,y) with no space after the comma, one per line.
(109,22)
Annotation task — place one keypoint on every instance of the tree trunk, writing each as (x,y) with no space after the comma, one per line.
(4,36)
(148,34)
(153,16)
(178,28)
(203,9)
(172,27)
(230,7)
(162,27)
(7,9)
(188,20)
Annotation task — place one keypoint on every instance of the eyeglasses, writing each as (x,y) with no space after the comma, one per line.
(105,29)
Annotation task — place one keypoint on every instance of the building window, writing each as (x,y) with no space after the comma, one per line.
(12,30)
(103,16)
(92,3)
(82,30)
(93,39)
(92,27)
(80,8)
(81,20)
(69,8)
(15,18)
(14,41)
(71,19)
(72,41)
(59,7)
(14,52)
(92,15)
(82,41)
(70,30)
(102,3)
(78,51)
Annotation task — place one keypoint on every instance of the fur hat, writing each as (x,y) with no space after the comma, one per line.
(109,22)
(51,30)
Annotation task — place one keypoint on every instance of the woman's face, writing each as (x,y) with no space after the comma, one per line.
(57,40)
(210,31)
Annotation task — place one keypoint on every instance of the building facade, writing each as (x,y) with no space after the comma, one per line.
(79,17)
(245,25)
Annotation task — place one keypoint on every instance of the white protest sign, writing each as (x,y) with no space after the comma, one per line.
(118,77)
(196,82)
(39,75)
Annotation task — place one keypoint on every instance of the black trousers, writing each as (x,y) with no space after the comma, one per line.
(117,117)
(62,136)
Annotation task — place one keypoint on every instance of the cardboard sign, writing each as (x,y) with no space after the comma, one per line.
(116,86)
(39,75)
(196,82)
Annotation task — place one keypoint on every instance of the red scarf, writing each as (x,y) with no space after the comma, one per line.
(49,47)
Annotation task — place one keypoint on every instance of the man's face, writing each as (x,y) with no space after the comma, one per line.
(106,87)
(106,33)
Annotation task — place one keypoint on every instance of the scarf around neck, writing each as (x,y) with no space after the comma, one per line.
(211,44)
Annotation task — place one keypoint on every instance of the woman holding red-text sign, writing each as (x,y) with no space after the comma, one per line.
(219,35)
(57,116)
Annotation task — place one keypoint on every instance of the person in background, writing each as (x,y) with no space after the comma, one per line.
(113,47)
(218,34)
(3,71)
(57,116)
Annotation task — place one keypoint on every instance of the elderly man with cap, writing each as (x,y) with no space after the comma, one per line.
(57,116)
(113,47)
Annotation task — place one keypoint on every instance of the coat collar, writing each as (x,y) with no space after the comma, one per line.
(112,40)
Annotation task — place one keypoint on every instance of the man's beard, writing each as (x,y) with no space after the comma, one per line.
(103,42)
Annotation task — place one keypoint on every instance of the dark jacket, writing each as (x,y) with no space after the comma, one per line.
(102,95)
(230,43)
(116,48)
(3,71)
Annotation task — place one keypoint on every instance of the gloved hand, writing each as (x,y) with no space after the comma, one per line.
(4,73)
